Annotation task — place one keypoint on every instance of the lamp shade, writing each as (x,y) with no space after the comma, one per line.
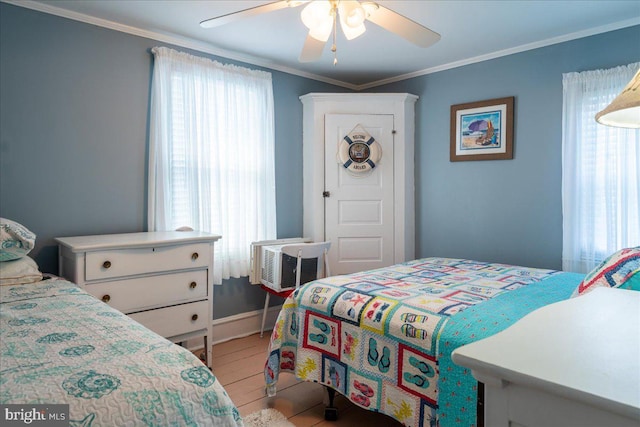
(624,110)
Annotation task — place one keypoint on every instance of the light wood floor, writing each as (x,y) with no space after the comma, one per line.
(238,365)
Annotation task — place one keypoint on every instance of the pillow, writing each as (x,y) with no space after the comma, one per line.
(19,272)
(620,270)
(16,240)
(632,283)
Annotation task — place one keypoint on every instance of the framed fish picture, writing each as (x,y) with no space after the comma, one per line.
(482,130)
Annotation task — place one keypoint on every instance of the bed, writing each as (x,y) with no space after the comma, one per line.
(384,338)
(60,345)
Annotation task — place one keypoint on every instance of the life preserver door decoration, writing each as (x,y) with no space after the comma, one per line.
(359,152)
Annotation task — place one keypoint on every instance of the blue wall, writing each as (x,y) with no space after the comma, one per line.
(74,111)
(74,102)
(506,211)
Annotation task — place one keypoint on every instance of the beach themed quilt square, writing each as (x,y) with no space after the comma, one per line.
(350,344)
(364,389)
(415,326)
(431,303)
(322,334)
(364,287)
(319,297)
(308,365)
(436,290)
(486,288)
(376,313)
(288,357)
(397,294)
(454,280)
(418,373)
(334,373)
(466,297)
(403,406)
(349,305)
(379,356)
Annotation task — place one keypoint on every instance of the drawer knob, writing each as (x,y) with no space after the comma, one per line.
(193,285)
(194,317)
(194,256)
(106,264)
(106,298)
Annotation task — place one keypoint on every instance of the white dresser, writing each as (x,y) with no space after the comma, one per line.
(572,363)
(163,280)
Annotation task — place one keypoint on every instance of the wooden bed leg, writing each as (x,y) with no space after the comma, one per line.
(331,412)
(480,406)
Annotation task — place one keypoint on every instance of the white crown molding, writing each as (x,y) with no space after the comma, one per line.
(173,39)
(261,62)
(518,49)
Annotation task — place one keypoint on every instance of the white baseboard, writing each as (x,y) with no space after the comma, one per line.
(238,326)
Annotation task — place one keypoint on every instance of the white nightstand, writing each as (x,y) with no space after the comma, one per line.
(163,280)
(572,363)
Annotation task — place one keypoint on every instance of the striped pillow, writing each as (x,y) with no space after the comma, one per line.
(620,270)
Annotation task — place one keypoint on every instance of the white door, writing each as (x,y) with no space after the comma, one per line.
(359,210)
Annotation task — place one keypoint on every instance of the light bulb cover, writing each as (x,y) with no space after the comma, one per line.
(352,17)
(351,13)
(351,32)
(322,31)
(316,13)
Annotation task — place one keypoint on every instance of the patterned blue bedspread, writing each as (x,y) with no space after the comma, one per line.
(482,321)
(61,345)
(384,338)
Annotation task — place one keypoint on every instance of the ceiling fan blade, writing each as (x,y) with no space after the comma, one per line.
(403,26)
(312,49)
(246,13)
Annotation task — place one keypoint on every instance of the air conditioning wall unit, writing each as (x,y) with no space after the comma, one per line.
(276,270)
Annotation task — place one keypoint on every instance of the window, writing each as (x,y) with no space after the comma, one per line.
(212,154)
(600,171)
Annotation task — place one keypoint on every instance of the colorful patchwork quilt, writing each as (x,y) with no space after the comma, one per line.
(60,345)
(384,338)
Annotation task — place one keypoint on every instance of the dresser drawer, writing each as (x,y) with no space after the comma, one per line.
(129,295)
(127,262)
(176,320)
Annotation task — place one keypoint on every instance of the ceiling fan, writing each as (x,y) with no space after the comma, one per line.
(321,17)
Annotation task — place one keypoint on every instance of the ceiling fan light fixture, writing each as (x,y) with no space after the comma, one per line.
(321,18)
(351,13)
(369,8)
(351,32)
(323,31)
(352,18)
(316,14)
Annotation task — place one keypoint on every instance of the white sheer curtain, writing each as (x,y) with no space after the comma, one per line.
(600,171)
(211,155)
